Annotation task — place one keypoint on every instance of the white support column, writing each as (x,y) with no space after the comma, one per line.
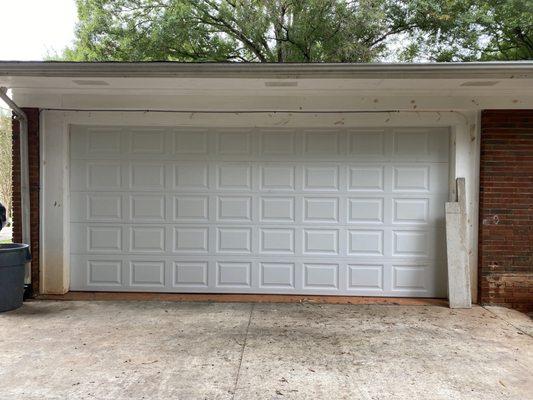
(459,294)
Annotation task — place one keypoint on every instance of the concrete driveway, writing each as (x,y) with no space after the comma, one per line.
(161,350)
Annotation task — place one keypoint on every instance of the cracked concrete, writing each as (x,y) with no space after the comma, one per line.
(164,350)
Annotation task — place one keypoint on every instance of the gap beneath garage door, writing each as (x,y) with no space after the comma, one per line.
(241,298)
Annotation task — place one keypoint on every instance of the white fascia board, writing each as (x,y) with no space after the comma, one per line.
(280,102)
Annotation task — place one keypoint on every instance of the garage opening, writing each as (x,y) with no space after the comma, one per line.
(274,211)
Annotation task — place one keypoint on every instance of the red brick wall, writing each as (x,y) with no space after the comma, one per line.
(34,172)
(506,209)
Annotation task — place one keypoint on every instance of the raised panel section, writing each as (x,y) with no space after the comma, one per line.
(326,143)
(321,241)
(321,209)
(234,274)
(321,276)
(234,208)
(104,238)
(365,210)
(365,242)
(365,277)
(147,273)
(324,178)
(366,144)
(188,273)
(278,241)
(365,178)
(191,240)
(235,176)
(104,207)
(277,209)
(411,144)
(192,176)
(277,275)
(277,143)
(191,208)
(147,207)
(148,176)
(104,273)
(103,140)
(103,175)
(233,143)
(411,179)
(147,141)
(277,177)
(410,243)
(191,142)
(147,239)
(410,211)
(234,240)
(409,277)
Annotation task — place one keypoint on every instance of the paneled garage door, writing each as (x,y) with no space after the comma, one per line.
(304,211)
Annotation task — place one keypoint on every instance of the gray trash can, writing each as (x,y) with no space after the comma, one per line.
(13,258)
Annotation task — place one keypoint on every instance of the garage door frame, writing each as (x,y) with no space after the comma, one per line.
(55,161)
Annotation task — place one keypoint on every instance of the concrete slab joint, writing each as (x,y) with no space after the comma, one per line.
(459,293)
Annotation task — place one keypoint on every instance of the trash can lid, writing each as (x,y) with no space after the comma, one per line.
(14,254)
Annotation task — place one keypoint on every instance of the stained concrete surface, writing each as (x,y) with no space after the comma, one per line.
(163,350)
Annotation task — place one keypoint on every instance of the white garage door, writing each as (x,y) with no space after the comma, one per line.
(305,211)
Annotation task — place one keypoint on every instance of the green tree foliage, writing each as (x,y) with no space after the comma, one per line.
(302,30)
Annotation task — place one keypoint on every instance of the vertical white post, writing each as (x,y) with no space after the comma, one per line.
(459,294)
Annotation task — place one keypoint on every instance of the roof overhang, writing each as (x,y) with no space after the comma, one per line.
(261,86)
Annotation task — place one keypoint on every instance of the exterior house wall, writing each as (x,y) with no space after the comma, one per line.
(34,174)
(506,209)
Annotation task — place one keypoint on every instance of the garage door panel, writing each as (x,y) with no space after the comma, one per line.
(147,239)
(234,176)
(147,274)
(215,274)
(320,178)
(188,208)
(147,208)
(367,144)
(355,211)
(191,239)
(102,207)
(234,142)
(96,238)
(147,176)
(322,142)
(97,142)
(366,277)
(420,144)
(366,178)
(191,142)
(190,274)
(277,177)
(365,210)
(277,209)
(148,141)
(191,176)
(277,142)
